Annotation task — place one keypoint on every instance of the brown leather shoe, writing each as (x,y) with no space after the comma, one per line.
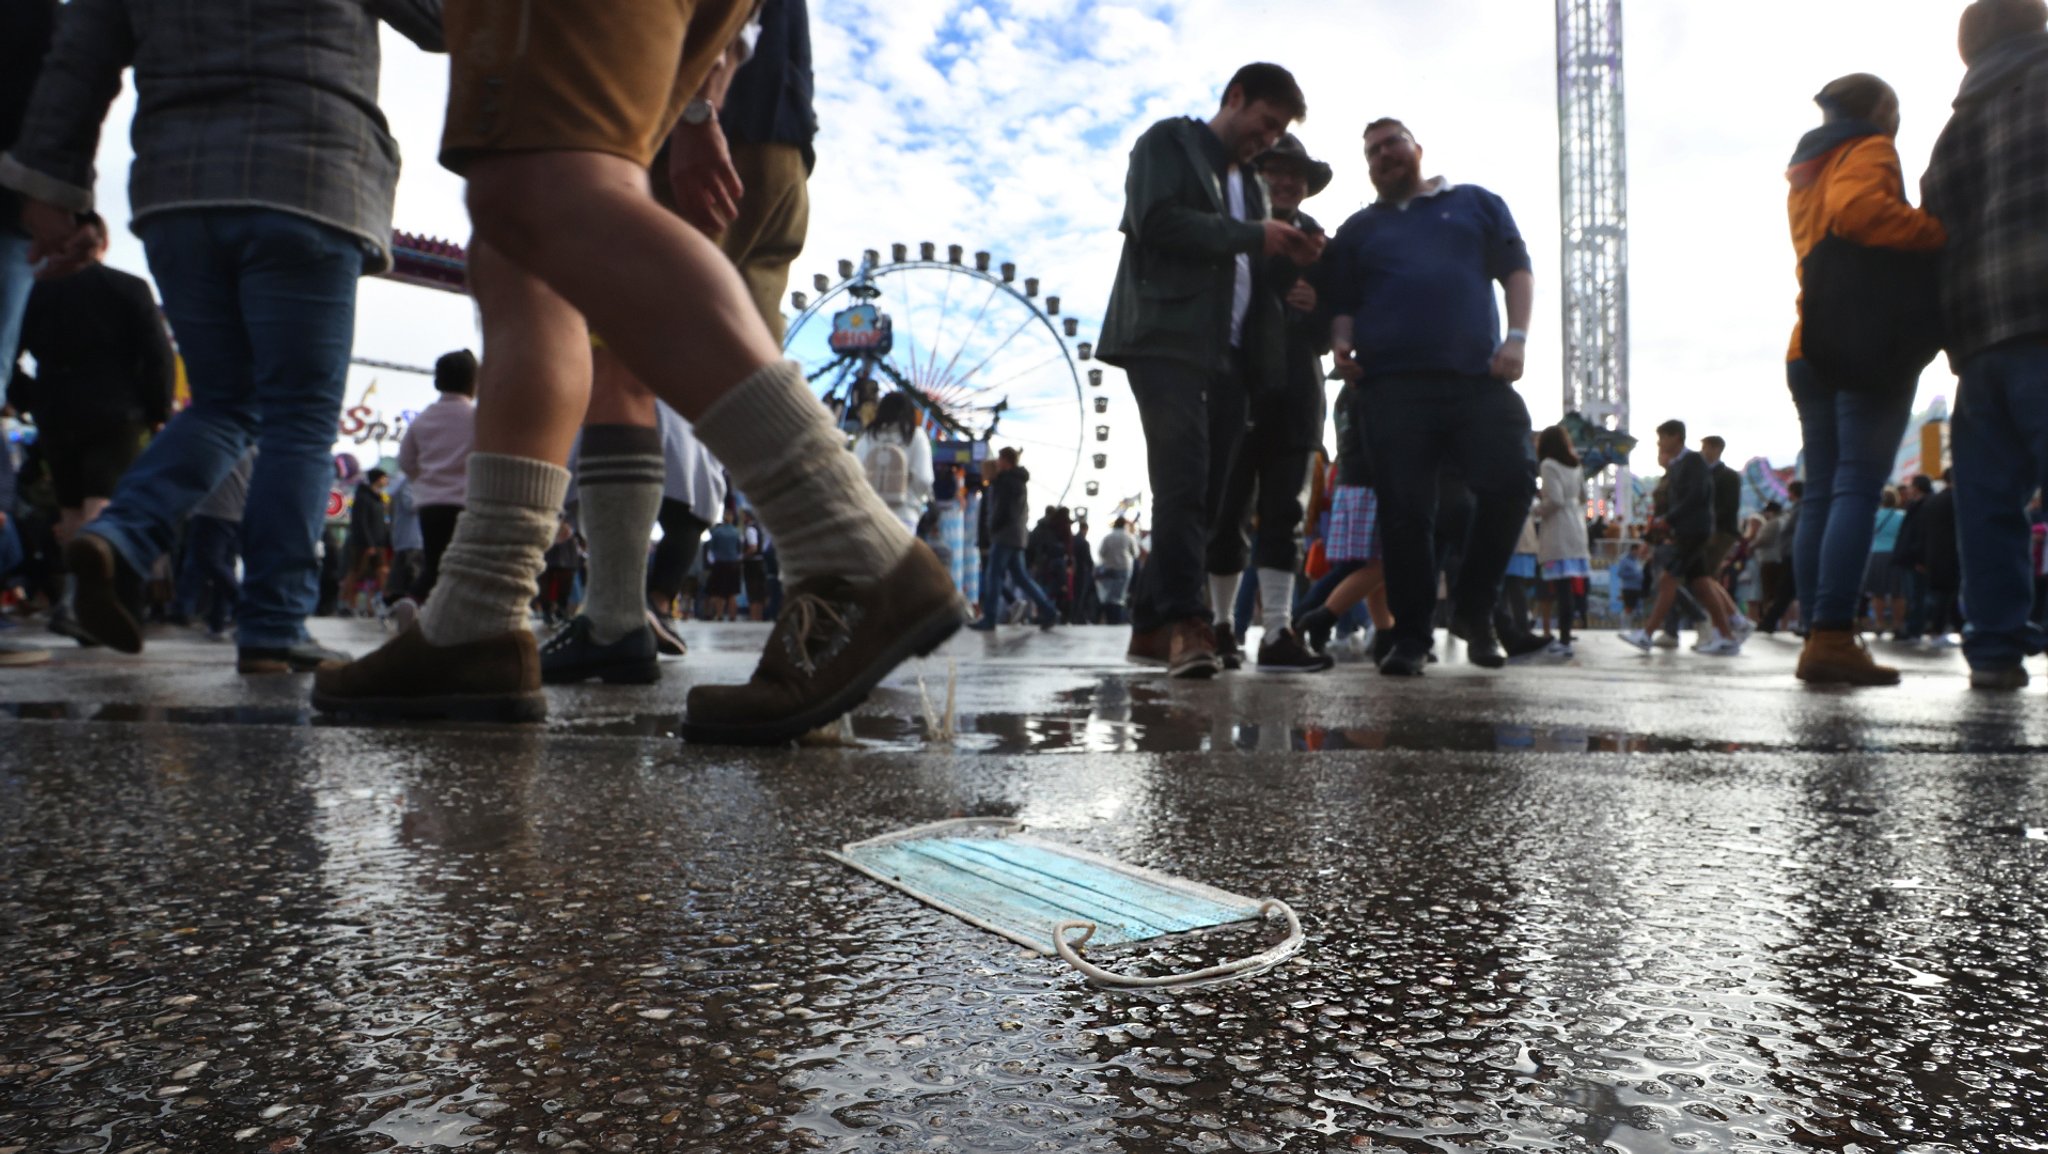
(1152,647)
(109,594)
(834,642)
(1193,654)
(496,679)
(1837,657)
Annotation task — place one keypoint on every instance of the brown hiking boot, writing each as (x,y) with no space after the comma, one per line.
(1194,651)
(834,642)
(496,679)
(1152,647)
(1837,657)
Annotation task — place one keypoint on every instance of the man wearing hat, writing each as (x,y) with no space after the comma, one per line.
(1285,426)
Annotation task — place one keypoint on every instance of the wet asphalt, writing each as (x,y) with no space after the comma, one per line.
(1627,904)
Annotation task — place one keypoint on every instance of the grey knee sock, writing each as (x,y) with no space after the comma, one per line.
(779,444)
(620,476)
(1276,599)
(491,571)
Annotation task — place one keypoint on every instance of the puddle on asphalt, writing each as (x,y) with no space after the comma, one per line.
(1112,716)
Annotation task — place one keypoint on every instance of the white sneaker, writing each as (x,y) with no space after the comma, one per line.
(1944,642)
(1723,647)
(1666,641)
(403,613)
(1708,637)
(1562,650)
(1744,629)
(1639,639)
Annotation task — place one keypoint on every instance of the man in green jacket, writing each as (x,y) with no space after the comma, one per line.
(1187,326)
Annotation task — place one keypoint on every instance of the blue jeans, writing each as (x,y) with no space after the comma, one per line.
(1852,441)
(1110,586)
(2001,458)
(263,304)
(1006,562)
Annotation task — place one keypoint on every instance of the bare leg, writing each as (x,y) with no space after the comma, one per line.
(1716,607)
(534,384)
(584,223)
(1667,596)
(1355,588)
(616,396)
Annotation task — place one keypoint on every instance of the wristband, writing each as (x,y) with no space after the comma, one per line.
(1521,335)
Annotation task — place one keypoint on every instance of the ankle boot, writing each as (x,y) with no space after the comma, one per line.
(1837,657)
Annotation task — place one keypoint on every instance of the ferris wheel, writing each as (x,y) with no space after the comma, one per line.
(989,361)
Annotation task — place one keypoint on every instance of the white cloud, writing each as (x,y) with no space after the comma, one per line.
(1005,126)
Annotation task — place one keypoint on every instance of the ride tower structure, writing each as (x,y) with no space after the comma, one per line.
(1593,211)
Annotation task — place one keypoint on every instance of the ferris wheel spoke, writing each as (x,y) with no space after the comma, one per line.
(971,327)
(939,328)
(1029,320)
(1054,359)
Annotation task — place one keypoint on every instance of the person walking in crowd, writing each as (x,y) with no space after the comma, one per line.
(369,536)
(1409,281)
(1909,558)
(1188,328)
(1722,547)
(1270,458)
(725,551)
(1882,584)
(1351,544)
(735,168)
(896,456)
(1769,551)
(1846,189)
(1787,592)
(1689,515)
(1988,186)
(434,456)
(1086,608)
(262,188)
(1629,575)
(206,574)
(1009,497)
(546,189)
(1944,566)
(1564,553)
(103,383)
(1114,557)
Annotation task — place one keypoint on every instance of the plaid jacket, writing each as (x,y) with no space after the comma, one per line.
(1988,185)
(264,103)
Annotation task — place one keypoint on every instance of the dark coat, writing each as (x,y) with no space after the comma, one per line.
(1727,499)
(1295,409)
(1690,493)
(368,525)
(1009,509)
(102,355)
(1174,282)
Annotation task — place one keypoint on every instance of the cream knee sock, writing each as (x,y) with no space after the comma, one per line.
(491,571)
(620,474)
(1223,596)
(1276,600)
(778,442)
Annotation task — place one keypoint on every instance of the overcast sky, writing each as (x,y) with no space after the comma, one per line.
(1006,127)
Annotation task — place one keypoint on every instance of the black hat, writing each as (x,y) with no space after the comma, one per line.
(1289,150)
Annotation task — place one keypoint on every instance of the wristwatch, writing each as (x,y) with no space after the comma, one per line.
(697,112)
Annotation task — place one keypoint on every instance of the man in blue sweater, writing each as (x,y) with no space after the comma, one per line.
(1409,281)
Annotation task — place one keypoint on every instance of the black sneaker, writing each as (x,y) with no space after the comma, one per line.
(573,655)
(1405,663)
(1283,652)
(109,597)
(304,657)
(1382,646)
(667,641)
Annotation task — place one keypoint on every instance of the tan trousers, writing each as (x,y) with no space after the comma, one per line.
(774,216)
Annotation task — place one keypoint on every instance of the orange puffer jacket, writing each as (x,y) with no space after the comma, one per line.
(1856,191)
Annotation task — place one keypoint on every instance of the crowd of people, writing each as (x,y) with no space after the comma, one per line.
(600,414)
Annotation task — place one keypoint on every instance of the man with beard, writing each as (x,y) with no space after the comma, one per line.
(1187,327)
(1410,285)
(1272,455)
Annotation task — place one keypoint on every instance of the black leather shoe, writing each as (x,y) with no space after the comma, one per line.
(1314,628)
(1405,663)
(1227,650)
(1482,646)
(573,655)
(1283,652)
